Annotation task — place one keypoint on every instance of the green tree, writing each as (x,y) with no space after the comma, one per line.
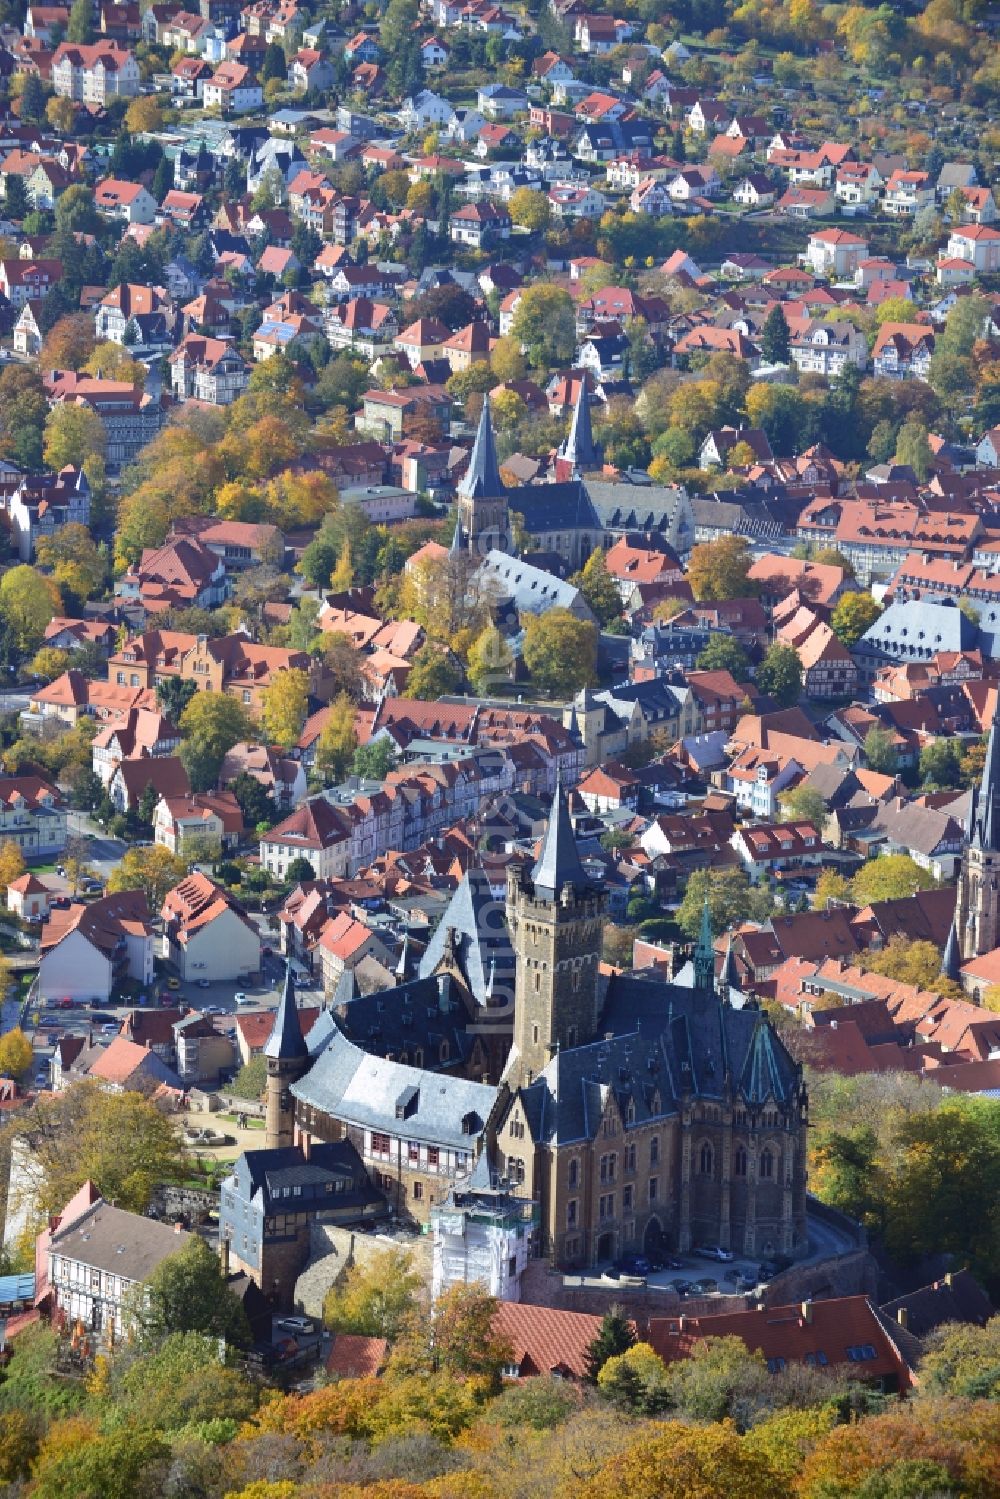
(73,435)
(211,724)
(599,588)
(545,323)
(780,675)
(173,695)
(23,404)
(962,1360)
(729,900)
(775,345)
(28,602)
(803,804)
(299,871)
(187,1292)
(373,761)
(376,1297)
(635,1380)
(256,802)
(180,1383)
(889,877)
(615,1336)
(723,653)
(490,662)
(880,751)
(913,448)
(433,673)
(854,614)
(941,762)
(560,651)
(153,870)
(251,1079)
(80,27)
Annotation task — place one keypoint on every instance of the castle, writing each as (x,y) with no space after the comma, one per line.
(635,1114)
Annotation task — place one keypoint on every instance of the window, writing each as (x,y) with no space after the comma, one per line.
(740,1162)
(606,1206)
(627,1199)
(860,1353)
(418,1191)
(571,1213)
(604,1168)
(706,1160)
(817,1358)
(573,1175)
(654,1188)
(766,1165)
(432,1155)
(413,1153)
(630,1158)
(247,697)
(380,1144)
(654,1150)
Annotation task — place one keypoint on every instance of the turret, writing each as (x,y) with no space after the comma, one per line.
(287,1059)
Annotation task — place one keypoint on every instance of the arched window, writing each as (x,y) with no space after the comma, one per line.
(766,1165)
(740,1162)
(705,1160)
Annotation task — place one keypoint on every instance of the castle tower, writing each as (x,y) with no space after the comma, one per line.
(579,452)
(483,514)
(977,906)
(555,915)
(704,953)
(287,1059)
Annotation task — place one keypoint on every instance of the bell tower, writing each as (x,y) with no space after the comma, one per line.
(287,1059)
(483,513)
(977,905)
(555,915)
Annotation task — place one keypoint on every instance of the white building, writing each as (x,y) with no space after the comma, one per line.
(207,934)
(481,1233)
(87,952)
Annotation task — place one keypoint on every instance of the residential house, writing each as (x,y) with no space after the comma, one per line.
(94,74)
(978,245)
(32,815)
(89,951)
(199,825)
(207,369)
(835,252)
(207,934)
(127,202)
(43,503)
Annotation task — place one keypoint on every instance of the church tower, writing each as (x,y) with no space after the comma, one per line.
(556,915)
(977,907)
(287,1059)
(579,453)
(483,514)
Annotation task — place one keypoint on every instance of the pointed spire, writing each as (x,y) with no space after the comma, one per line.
(286,1041)
(951,961)
(558,864)
(481,479)
(578,449)
(403,965)
(729,978)
(704,952)
(458,539)
(985,820)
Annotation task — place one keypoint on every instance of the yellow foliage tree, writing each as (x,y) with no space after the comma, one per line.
(49,663)
(718,569)
(16,1052)
(153,870)
(111,361)
(12,864)
(144,114)
(284,706)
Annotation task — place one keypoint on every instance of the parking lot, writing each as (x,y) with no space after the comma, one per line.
(689,1274)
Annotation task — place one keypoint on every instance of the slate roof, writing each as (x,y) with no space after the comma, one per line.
(917,629)
(126,1244)
(286,1041)
(676,1040)
(478,922)
(554,507)
(269,1175)
(424,1012)
(558,864)
(359,1089)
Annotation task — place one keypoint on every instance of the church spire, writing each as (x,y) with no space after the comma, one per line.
(558,864)
(457,539)
(481,479)
(986,803)
(951,961)
(704,952)
(729,977)
(579,448)
(286,1042)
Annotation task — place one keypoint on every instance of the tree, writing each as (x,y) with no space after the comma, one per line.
(33,99)
(144,115)
(338,739)
(687,1462)
(173,695)
(464,1338)
(80,27)
(775,338)
(111,361)
(211,724)
(545,324)
(251,1079)
(120,1141)
(880,751)
(941,763)
(284,706)
(723,653)
(560,651)
(615,1336)
(120,1465)
(16,1052)
(12,864)
(300,871)
(373,761)
(728,895)
(718,569)
(256,802)
(28,601)
(181,1384)
(635,1380)
(73,435)
(76,561)
(804,804)
(889,877)
(153,870)
(913,448)
(68,343)
(853,616)
(907,959)
(530,209)
(962,1360)
(375,1297)
(433,673)
(187,1292)
(780,675)
(506,360)
(599,588)
(490,662)
(23,405)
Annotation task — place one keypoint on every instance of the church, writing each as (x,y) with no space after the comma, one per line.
(637,1115)
(976,927)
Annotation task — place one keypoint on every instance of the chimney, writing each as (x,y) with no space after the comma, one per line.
(305,1145)
(902,1316)
(807,1312)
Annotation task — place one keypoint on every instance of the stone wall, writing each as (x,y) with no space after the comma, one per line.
(332,1249)
(191,1203)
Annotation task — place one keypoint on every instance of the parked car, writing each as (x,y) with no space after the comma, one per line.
(715,1252)
(243,999)
(66,1003)
(50,1022)
(173,983)
(705,1287)
(204,983)
(296,1324)
(214,1010)
(633,1264)
(101,1015)
(683,1287)
(41,1079)
(111,1029)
